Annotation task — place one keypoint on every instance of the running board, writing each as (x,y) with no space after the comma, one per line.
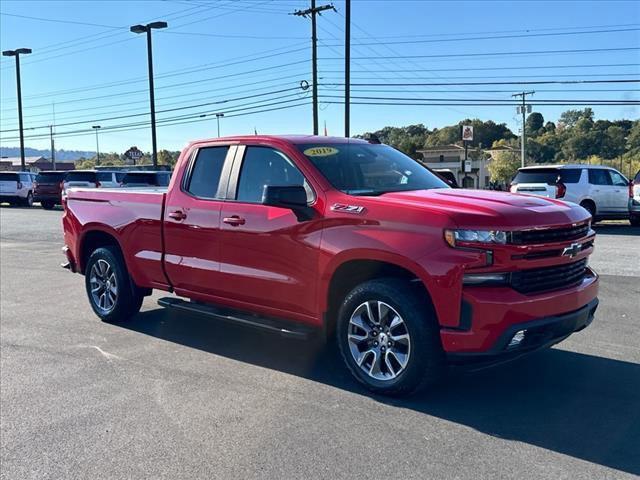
(282,327)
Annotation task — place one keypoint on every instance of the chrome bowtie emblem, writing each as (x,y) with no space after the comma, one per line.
(572,250)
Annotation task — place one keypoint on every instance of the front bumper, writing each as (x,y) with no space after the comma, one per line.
(537,334)
(491,315)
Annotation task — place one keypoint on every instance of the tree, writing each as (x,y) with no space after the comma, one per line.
(534,123)
(504,166)
(571,117)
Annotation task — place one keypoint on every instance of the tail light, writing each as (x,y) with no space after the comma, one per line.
(98,184)
(631,189)
(61,185)
(561,190)
(35,185)
(19,185)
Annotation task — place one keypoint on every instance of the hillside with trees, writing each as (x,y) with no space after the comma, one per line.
(576,137)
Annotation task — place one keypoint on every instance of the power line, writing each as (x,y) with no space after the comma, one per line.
(542,82)
(73,22)
(186,107)
(486,54)
(529,67)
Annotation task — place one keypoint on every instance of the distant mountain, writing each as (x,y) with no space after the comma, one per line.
(62,155)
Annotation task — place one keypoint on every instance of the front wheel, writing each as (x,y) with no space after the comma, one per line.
(389,338)
(48,205)
(28,202)
(112,294)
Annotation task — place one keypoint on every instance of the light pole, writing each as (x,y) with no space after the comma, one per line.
(147,29)
(16,53)
(96,128)
(218,115)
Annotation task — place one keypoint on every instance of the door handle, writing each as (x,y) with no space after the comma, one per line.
(234,220)
(178,215)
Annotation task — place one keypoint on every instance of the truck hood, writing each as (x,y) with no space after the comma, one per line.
(490,209)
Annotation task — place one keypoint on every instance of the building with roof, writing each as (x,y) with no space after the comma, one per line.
(33,164)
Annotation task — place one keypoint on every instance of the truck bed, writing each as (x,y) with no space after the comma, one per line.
(133,215)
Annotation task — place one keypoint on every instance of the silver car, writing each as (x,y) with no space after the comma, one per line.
(634,200)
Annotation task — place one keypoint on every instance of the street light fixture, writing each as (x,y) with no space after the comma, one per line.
(16,53)
(147,29)
(96,128)
(218,115)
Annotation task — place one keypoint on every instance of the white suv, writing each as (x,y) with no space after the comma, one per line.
(17,187)
(603,191)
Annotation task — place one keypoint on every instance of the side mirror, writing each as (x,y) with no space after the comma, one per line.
(293,197)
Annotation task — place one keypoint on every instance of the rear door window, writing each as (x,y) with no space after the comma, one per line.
(570,175)
(25,177)
(205,173)
(598,176)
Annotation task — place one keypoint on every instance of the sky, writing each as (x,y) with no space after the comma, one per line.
(250,59)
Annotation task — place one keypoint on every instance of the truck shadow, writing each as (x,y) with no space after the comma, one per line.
(579,405)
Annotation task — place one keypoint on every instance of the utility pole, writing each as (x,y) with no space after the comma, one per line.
(347,67)
(16,53)
(96,128)
(218,115)
(147,29)
(314,53)
(523,108)
(53,151)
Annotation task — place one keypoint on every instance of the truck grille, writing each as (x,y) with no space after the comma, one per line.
(549,278)
(548,235)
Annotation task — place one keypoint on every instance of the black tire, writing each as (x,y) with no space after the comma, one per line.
(128,298)
(48,205)
(28,202)
(426,360)
(590,207)
(635,220)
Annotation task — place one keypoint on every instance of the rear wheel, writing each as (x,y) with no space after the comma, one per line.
(112,294)
(48,205)
(635,220)
(389,338)
(590,207)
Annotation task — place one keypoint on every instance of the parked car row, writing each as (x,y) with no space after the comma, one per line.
(603,191)
(47,187)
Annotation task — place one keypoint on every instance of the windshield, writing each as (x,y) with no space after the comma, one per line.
(369,169)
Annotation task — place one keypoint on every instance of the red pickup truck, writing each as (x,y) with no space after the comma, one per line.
(350,238)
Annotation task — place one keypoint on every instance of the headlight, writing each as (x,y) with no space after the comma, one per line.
(453,237)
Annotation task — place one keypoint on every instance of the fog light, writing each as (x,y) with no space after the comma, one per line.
(517,338)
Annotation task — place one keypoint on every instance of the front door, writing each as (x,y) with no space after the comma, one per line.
(269,259)
(619,192)
(192,223)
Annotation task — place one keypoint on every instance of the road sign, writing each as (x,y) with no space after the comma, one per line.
(134,154)
(467,166)
(467,133)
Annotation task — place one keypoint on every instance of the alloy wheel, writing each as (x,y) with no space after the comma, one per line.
(104,287)
(379,340)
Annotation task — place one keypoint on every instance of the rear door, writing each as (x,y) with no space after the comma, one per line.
(619,192)
(269,259)
(192,222)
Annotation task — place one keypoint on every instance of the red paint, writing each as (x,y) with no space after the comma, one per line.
(262,259)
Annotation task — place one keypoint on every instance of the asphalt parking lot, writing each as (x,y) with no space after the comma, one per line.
(171,396)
